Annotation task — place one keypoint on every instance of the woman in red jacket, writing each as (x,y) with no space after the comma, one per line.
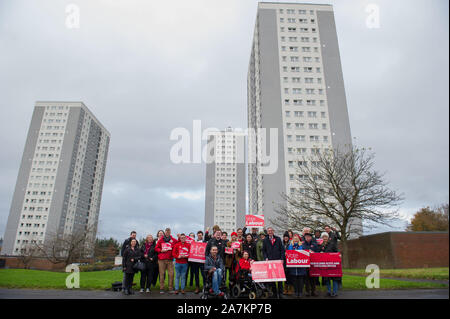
(181,253)
(245,262)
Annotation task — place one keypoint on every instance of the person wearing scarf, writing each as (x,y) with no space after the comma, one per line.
(165,260)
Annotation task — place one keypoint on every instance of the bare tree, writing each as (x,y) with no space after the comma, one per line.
(338,187)
(68,248)
(28,253)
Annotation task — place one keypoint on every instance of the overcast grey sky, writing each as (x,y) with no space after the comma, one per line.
(146,67)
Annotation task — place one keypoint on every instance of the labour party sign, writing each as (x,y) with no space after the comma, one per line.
(297,258)
(166,246)
(197,252)
(325,265)
(254,220)
(267,271)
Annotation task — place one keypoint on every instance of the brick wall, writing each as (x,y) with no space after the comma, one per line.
(400,250)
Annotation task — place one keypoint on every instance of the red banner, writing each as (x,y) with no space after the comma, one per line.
(197,252)
(325,265)
(267,271)
(189,239)
(254,220)
(297,258)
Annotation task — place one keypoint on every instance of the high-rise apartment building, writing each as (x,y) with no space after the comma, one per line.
(295,84)
(60,181)
(225,180)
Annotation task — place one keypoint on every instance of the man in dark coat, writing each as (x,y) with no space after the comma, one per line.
(333,235)
(310,244)
(273,249)
(218,242)
(127,242)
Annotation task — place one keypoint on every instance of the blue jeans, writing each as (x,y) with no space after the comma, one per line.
(335,286)
(216,280)
(180,275)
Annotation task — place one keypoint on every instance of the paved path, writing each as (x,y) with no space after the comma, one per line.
(99,294)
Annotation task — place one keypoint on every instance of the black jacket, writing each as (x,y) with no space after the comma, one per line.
(152,254)
(275,251)
(251,248)
(220,246)
(334,237)
(312,245)
(329,247)
(126,244)
(129,254)
(244,232)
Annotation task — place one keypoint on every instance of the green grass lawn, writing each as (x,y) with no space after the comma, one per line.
(414,273)
(23,278)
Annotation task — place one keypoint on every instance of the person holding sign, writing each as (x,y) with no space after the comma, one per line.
(273,249)
(329,246)
(190,239)
(297,274)
(180,252)
(165,259)
(310,244)
(232,255)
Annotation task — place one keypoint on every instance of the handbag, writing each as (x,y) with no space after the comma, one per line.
(139,266)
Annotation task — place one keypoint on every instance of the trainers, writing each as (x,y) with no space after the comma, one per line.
(221,294)
(148,290)
(142,290)
(211,291)
(161,292)
(182,291)
(175,292)
(197,290)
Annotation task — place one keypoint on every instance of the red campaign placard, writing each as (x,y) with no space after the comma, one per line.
(229,250)
(236,245)
(183,252)
(166,246)
(319,241)
(297,258)
(325,265)
(268,271)
(189,239)
(197,252)
(254,220)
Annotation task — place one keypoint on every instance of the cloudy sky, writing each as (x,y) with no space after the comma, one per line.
(147,67)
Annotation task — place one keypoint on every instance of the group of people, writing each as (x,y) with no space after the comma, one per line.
(223,256)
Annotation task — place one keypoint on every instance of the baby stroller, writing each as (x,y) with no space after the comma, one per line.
(207,287)
(244,286)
